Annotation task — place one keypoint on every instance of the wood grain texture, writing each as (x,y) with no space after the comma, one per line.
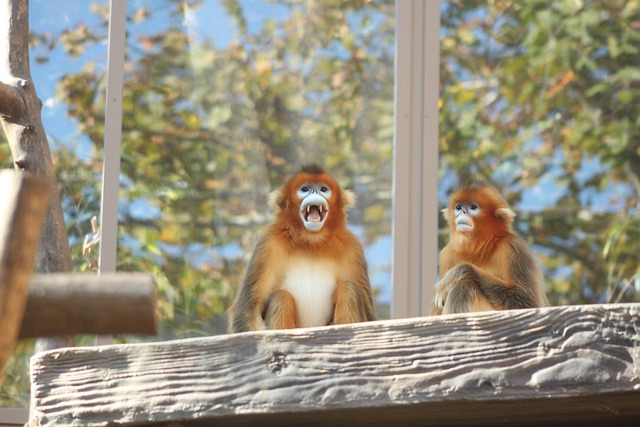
(72,304)
(550,365)
(23,203)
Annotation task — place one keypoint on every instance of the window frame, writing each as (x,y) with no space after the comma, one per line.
(117,43)
(415,215)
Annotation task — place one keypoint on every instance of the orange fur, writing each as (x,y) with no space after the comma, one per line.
(349,307)
(281,311)
(488,266)
(304,269)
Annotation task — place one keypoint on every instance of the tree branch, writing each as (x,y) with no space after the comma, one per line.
(14,39)
(11,105)
(69,304)
(25,133)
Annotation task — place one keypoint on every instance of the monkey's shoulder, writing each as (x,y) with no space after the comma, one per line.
(488,253)
(516,244)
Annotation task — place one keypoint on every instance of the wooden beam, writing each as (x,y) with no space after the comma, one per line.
(574,364)
(23,203)
(73,304)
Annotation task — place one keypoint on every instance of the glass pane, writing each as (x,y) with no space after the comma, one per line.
(68,60)
(541,99)
(222,102)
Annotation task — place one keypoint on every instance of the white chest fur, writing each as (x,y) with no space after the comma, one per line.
(312,283)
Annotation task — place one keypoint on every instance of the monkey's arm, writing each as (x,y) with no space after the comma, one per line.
(446,262)
(467,288)
(246,313)
(364,288)
(353,299)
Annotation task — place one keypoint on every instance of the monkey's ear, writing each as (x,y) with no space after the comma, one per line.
(505,214)
(348,199)
(445,214)
(276,199)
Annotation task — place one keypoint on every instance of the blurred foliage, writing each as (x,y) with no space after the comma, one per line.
(14,386)
(540,98)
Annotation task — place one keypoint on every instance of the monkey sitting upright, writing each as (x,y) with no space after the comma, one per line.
(485,265)
(307,269)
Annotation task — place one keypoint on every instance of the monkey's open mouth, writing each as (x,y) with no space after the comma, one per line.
(313,215)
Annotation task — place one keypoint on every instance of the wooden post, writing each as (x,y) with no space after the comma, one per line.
(23,203)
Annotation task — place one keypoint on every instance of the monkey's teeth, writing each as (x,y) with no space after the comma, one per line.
(314,213)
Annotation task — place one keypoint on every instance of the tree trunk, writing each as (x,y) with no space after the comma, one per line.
(20,116)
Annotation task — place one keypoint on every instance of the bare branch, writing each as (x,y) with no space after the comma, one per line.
(25,132)
(11,105)
(14,39)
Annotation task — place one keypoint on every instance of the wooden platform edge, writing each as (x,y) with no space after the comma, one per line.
(550,365)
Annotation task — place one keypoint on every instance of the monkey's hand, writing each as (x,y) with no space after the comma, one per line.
(462,290)
(434,311)
(260,326)
(255,322)
(443,287)
(442,291)
(458,275)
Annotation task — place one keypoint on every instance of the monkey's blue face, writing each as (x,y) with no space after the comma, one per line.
(314,204)
(464,212)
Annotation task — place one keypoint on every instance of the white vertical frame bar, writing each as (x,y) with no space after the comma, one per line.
(112,141)
(112,137)
(415,216)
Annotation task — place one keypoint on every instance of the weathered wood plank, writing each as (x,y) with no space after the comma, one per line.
(550,365)
(72,304)
(23,203)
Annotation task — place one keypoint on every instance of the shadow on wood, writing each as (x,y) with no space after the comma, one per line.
(551,366)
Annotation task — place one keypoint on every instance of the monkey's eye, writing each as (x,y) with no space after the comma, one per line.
(458,207)
(304,189)
(474,207)
(324,189)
